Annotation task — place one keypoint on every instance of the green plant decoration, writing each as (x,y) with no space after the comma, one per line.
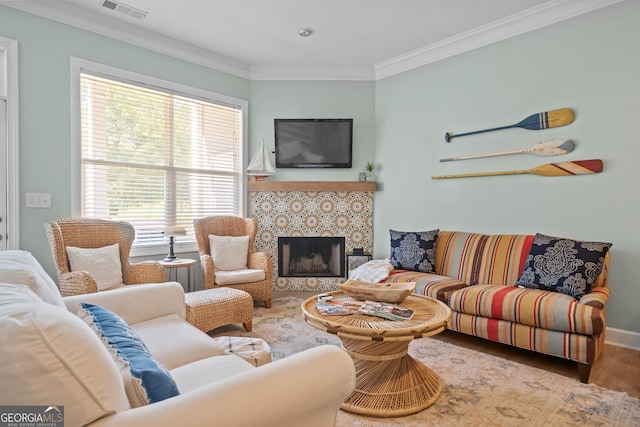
(370,167)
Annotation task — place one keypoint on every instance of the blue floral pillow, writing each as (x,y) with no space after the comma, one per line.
(414,251)
(562,265)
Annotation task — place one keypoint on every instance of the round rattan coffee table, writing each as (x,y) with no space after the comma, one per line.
(389,382)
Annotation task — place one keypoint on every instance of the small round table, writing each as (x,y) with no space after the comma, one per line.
(389,382)
(172,266)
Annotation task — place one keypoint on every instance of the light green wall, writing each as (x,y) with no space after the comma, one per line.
(45,48)
(400,124)
(589,63)
(314,99)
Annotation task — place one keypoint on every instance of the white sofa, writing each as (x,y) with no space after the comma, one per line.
(52,357)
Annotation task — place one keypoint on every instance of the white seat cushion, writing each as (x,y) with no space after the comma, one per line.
(206,371)
(50,355)
(238,276)
(194,345)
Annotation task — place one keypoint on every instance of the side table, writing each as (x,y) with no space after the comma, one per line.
(173,266)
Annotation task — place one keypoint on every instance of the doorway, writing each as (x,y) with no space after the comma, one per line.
(4,166)
(9,174)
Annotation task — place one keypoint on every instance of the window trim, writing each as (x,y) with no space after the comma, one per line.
(78,66)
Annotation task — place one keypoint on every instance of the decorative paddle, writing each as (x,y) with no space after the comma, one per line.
(547,119)
(579,167)
(556,147)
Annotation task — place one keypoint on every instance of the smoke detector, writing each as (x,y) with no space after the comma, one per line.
(123,8)
(306,31)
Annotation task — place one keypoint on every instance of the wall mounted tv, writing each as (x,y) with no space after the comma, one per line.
(313,143)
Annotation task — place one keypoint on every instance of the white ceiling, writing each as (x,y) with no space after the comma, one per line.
(353,39)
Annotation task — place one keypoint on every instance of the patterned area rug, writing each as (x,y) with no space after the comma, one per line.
(479,389)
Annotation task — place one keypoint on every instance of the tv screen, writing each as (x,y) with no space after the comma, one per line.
(313,143)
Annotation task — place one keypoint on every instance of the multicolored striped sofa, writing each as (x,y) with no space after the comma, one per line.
(476,276)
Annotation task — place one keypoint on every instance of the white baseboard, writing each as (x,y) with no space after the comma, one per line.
(622,338)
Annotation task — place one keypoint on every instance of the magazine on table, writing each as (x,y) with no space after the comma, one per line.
(386,310)
(339,306)
(347,305)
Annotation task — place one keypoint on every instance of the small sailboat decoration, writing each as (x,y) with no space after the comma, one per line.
(260,166)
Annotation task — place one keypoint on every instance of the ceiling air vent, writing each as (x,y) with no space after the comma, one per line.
(123,8)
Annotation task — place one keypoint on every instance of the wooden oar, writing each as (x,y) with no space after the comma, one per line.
(579,167)
(556,147)
(544,120)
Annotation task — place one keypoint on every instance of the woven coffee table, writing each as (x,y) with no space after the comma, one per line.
(389,382)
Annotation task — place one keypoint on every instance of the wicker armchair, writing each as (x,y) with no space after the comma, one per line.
(96,233)
(224,225)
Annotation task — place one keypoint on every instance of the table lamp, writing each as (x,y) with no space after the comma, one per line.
(171,232)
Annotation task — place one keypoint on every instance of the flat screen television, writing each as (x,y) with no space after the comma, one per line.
(313,143)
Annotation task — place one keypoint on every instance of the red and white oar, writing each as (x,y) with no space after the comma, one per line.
(578,167)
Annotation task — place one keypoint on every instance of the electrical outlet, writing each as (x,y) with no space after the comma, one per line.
(38,200)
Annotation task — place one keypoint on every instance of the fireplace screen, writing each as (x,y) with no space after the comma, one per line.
(311,256)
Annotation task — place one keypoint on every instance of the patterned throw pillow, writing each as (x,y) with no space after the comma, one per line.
(414,251)
(145,379)
(562,265)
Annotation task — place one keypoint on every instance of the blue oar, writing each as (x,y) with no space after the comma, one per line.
(547,119)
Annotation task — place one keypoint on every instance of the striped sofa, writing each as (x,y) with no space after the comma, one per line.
(475,275)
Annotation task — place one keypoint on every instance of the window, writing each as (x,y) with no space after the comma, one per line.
(156,156)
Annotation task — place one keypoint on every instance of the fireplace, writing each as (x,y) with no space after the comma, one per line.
(311,256)
(311,208)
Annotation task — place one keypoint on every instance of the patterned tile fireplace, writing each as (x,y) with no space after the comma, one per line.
(286,209)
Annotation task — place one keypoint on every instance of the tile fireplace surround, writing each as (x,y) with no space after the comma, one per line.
(308,209)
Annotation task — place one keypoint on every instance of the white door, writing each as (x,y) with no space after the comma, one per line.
(3,175)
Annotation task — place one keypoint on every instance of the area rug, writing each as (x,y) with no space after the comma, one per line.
(479,389)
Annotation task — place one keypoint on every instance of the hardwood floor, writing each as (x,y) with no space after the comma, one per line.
(617,368)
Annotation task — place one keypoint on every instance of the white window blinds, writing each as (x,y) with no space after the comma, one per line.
(156,158)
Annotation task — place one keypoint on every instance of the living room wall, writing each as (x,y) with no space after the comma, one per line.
(315,99)
(589,63)
(45,48)
(400,123)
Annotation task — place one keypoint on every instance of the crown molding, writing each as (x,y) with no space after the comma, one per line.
(546,14)
(70,14)
(532,19)
(312,72)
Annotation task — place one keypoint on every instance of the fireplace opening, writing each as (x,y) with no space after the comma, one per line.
(311,256)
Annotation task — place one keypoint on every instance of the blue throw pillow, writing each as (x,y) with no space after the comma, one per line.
(563,265)
(145,379)
(414,251)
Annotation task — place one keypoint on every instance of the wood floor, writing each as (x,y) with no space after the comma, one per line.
(617,368)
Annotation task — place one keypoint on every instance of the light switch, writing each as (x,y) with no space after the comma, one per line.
(38,200)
